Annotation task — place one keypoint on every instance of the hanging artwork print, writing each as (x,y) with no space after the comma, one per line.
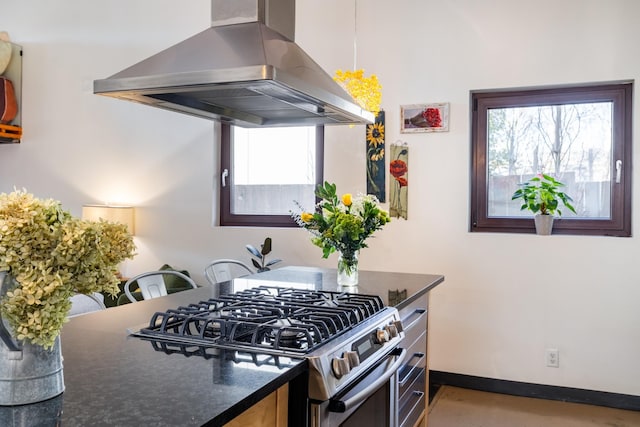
(399,170)
(424,118)
(376,175)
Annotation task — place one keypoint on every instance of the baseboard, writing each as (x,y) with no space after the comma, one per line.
(540,391)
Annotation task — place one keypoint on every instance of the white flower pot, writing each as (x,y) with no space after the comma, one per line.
(544,224)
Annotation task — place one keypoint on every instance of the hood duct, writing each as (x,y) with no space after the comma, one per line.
(245,70)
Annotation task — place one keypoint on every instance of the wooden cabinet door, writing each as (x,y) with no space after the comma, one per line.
(269,412)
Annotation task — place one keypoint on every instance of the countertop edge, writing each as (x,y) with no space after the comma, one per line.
(428,288)
(255,397)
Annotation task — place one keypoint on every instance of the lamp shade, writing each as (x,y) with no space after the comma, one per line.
(119,214)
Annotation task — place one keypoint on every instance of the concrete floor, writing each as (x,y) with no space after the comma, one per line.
(458,407)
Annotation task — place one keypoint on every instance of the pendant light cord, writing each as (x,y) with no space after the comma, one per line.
(355,35)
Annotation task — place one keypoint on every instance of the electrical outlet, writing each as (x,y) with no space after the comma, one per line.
(553,358)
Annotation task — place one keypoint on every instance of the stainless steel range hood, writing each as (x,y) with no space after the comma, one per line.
(245,70)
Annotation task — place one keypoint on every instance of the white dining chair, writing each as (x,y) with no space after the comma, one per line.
(222,270)
(152,284)
(86,303)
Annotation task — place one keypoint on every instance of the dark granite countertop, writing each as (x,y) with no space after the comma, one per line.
(112,378)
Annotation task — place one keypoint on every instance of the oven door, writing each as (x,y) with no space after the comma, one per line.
(371,401)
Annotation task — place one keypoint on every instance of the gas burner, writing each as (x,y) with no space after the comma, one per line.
(289,295)
(287,335)
(289,339)
(251,313)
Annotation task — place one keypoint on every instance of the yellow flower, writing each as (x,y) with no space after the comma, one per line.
(306,216)
(336,228)
(375,134)
(377,155)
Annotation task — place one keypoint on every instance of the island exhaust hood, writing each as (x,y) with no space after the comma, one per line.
(244,70)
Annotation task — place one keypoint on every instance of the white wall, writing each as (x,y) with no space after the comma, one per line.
(506,297)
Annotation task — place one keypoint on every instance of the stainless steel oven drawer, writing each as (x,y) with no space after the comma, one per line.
(412,409)
(414,324)
(412,375)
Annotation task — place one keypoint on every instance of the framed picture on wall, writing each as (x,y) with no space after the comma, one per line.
(424,118)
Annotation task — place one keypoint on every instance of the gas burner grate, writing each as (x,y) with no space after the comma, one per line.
(282,320)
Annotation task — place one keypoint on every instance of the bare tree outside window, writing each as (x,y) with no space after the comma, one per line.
(571,142)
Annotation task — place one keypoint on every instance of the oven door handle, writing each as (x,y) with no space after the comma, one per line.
(361,396)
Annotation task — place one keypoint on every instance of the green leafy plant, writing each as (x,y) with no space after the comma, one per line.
(50,255)
(541,194)
(260,260)
(342,224)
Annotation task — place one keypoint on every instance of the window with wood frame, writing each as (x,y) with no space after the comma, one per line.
(579,134)
(265,171)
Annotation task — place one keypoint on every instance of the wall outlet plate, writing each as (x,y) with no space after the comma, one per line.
(553,357)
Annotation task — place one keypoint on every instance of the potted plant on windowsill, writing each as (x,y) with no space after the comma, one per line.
(542,196)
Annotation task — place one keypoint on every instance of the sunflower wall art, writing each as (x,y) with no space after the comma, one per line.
(399,170)
(376,176)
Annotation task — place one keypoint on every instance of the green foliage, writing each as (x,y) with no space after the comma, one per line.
(261,256)
(51,255)
(541,194)
(343,224)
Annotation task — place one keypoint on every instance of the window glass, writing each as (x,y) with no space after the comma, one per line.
(571,142)
(268,169)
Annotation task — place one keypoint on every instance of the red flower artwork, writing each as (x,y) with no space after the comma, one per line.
(432,116)
(397,168)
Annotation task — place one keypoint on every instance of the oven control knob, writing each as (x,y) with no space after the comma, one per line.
(353,358)
(340,367)
(382,336)
(392,330)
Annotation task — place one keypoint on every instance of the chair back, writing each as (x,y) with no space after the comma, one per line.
(152,284)
(223,270)
(86,303)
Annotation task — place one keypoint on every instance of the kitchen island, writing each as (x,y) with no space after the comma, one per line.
(112,378)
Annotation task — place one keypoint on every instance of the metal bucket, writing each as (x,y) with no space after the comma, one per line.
(42,414)
(28,373)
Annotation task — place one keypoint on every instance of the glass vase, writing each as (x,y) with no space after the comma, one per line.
(348,269)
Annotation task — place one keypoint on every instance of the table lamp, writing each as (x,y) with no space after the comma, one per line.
(119,214)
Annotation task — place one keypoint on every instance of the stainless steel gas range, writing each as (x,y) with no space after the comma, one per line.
(350,341)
